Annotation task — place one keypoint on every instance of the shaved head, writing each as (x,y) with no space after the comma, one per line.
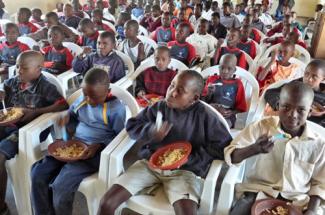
(33,58)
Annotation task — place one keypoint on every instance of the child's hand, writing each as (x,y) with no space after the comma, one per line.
(86,50)
(317,109)
(161,133)
(141,93)
(29,115)
(264,144)
(63,120)
(2,95)
(90,151)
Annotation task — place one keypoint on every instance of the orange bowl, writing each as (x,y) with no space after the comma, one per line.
(155,159)
(143,103)
(4,121)
(261,207)
(62,145)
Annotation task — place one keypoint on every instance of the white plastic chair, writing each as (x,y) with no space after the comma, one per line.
(159,204)
(18,169)
(143,31)
(110,25)
(107,15)
(149,44)
(73,48)
(94,186)
(28,41)
(75,31)
(3,22)
(86,15)
(2,39)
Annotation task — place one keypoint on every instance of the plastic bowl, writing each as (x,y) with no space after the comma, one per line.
(143,103)
(12,121)
(59,144)
(260,207)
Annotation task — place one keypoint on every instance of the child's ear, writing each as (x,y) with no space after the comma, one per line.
(196,97)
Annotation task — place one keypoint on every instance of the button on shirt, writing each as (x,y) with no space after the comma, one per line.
(294,168)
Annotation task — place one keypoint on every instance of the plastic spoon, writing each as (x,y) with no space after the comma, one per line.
(5,112)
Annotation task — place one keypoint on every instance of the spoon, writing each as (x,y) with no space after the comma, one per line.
(5,112)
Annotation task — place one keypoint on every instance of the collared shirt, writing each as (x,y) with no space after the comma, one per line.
(89,41)
(293,169)
(72,21)
(230,21)
(27,28)
(9,53)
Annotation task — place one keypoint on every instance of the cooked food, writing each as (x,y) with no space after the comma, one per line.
(13,113)
(72,151)
(171,156)
(154,100)
(278,210)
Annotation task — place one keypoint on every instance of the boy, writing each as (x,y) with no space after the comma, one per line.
(179,48)
(247,45)
(132,46)
(278,28)
(70,19)
(195,18)
(164,34)
(280,38)
(122,19)
(238,12)
(36,17)
(254,35)
(97,18)
(214,8)
(187,10)
(181,19)
(266,18)
(97,118)
(225,92)
(156,79)
(25,27)
(290,168)
(314,76)
(217,29)
(3,13)
(228,19)
(89,34)
(30,90)
(58,58)
(89,6)
(257,23)
(185,119)
(105,58)
(153,20)
(11,48)
(233,38)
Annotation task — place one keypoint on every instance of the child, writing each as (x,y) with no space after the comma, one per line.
(36,95)
(97,118)
(294,38)
(180,49)
(238,12)
(69,18)
(10,49)
(156,80)
(3,13)
(164,34)
(122,19)
(279,27)
(89,34)
(97,18)
(36,17)
(229,20)
(77,9)
(247,45)
(214,8)
(266,18)
(314,76)
(257,23)
(25,27)
(58,58)
(89,6)
(132,46)
(233,39)
(187,10)
(217,29)
(59,9)
(279,67)
(181,19)
(138,11)
(255,35)
(105,58)
(295,23)
(153,20)
(195,18)
(184,119)
(278,39)
(225,92)
(290,168)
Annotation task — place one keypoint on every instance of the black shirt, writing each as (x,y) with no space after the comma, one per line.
(218,32)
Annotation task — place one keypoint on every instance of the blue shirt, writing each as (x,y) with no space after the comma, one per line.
(137,12)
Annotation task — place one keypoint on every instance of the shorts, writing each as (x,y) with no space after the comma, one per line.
(9,144)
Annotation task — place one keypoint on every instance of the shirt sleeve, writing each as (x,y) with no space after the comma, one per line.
(242,61)
(117,119)
(52,95)
(117,71)
(191,54)
(240,98)
(23,47)
(253,50)
(236,22)
(272,97)
(217,57)
(69,58)
(154,35)
(139,83)
(81,66)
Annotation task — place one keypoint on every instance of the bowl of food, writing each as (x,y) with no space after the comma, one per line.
(274,207)
(149,99)
(13,115)
(71,150)
(171,156)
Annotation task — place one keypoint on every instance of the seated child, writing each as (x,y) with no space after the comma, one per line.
(36,17)
(257,23)
(156,79)
(122,19)
(278,39)
(185,118)
(279,67)
(89,34)
(187,9)
(265,17)
(11,48)
(217,29)
(77,9)
(278,28)
(195,18)
(69,18)
(58,58)
(229,20)
(225,92)
(247,45)
(89,6)
(314,76)
(239,12)
(3,13)
(233,38)
(179,48)
(24,25)
(105,58)
(98,118)
(164,34)
(32,91)
(97,18)
(153,20)
(180,19)
(290,168)
(294,38)
(132,46)
(255,34)
(138,11)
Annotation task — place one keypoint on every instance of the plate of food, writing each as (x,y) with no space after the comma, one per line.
(171,156)
(149,99)
(13,115)
(67,151)
(274,207)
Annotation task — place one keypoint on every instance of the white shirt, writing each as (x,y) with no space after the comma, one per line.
(240,17)
(266,19)
(203,44)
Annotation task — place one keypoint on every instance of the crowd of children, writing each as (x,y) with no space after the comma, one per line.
(197,34)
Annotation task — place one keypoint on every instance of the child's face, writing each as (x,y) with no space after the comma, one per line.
(227,69)
(162,60)
(36,15)
(215,20)
(22,17)
(28,70)
(232,38)
(11,35)
(87,31)
(264,8)
(181,15)
(244,33)
(183,4)
(237,9)
(104,46)
(202,27)
(95,94)
(285,31)
(171,7)
(314,76)
(2,5)
(68,11)
(97,18)
(59,7)
(226,10)
(165,20)
(197,11)
(255,15)
(155,13)
(181,34)
(247,20)
(130,31)
(55,38)
(287,52)
(214,6)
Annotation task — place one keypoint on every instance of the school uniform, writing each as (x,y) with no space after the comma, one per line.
(26,28)
(72,21)
(278,29)
(53,55)
(266,18)
(120,32)
(100,26)
(249,47)
(230,21)
(163,35)
(259,25)
(188,12)
(132,52)
(241,59)
(111,63)
(40,23)
(89,41)
(9,53)
(151,23)
(183,52)
(54,182)
(175,22)
(219,32)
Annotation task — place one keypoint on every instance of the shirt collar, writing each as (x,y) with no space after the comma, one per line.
(31,87)
(12,45)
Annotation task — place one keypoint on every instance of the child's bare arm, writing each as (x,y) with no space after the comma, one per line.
(262,75)
(141,53)
(313,204)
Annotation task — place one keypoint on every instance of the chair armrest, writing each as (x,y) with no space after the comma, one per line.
(116,159)
(207,197)
(65,77)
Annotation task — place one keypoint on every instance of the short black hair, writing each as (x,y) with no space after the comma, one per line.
(226,4)
(167,13)
(56,28)
(97,11)
(52,15)
(319,64)
(298,89)
(125,16)
(155,7)
(163,49)
(86,22)
(37,10)
(109,35)
(199,79)
(199,6)
(10,25)
(215,14)
(26,11)
(184,25)
(132,23)
(202,20)
(288,43)
(96,76)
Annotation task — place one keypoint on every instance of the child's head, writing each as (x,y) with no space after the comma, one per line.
(59,6)
(171,7)
(36,13)
(97,16)
(227,67)
(11,32)
(256,14)
(202,27)
(233,38)
(29,65)
(314,73)
(24,14)
(206,5)
(198,10)
(55,36)
(105,43)
(123,18)
(182,32)
(184,4)
(99,5)
(2,4)
(87,27)
(295,103)
(91,3)
(238,9)
(293,37)
(287,19)
(184,90)
(165,19)
(162,58)
(95,86)
(131,29)
(245,31)
(214,6)
(181,15)
(51,18)
(248,19)
(226,8)
(319,7)
(286,30)
(68,10)
(215,18)
(286,51)
(140,3)
(155,10)
(265,8)
(286,10)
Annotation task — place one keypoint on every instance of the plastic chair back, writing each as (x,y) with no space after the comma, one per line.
(74,48)
(28,41)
